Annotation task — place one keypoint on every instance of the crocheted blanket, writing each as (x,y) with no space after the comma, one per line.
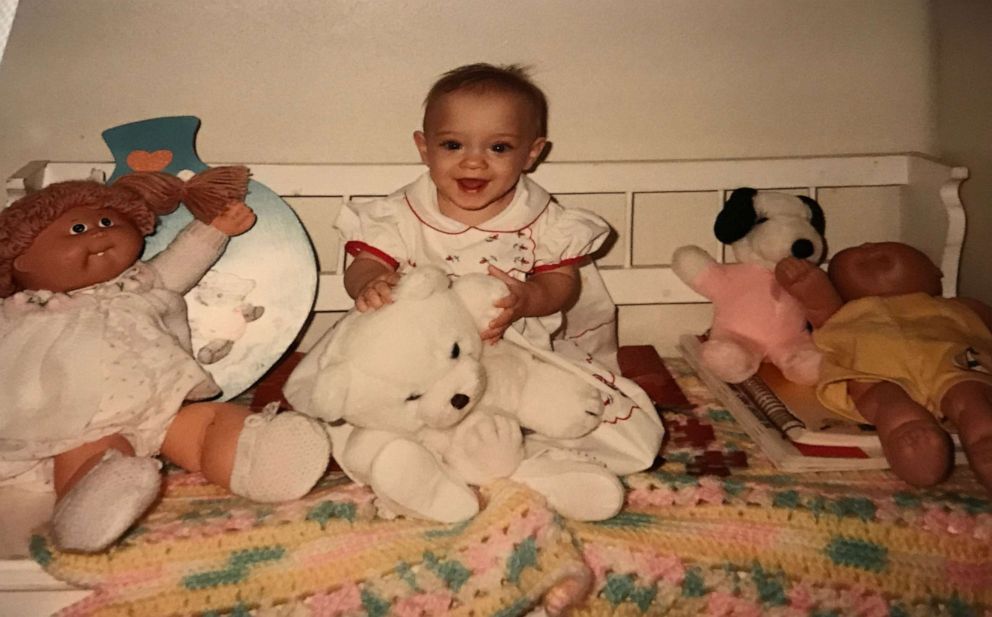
(714,530)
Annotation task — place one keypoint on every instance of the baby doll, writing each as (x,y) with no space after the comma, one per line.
(95,356)
(900,356)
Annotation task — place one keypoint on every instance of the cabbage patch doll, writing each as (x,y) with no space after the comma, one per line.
(900,356)
(96,371)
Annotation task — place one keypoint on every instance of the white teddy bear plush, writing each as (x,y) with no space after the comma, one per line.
(420,408)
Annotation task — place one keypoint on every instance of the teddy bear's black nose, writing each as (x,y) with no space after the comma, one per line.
(459,401)
(802,248)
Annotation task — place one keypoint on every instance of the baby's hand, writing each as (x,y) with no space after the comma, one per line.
(377,292)
(236,219)
(514,305)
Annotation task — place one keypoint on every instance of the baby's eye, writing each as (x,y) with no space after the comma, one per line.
(77,229)
(106,222)
(760,220)
(450,145)
(501,147)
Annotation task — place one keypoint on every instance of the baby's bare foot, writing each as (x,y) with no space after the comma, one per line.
(567,594)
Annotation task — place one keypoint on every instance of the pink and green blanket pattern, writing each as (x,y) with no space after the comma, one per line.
(713,531)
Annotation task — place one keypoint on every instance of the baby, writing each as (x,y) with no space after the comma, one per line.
(476,210)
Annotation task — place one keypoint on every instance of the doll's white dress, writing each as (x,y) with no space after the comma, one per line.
(111,358)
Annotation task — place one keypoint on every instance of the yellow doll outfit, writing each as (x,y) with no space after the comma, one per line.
(923,344)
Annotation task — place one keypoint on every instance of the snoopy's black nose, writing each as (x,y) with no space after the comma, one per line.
(802,248)
(459,401)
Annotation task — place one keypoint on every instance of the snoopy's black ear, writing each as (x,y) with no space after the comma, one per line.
(816,218)
(737,217)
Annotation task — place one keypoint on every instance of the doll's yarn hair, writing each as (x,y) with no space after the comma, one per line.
(141,196)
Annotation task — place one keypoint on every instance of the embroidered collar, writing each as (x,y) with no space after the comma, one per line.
(529,202)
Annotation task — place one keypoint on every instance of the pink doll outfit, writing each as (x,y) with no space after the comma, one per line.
(533,234)
(751,308)
(111,358)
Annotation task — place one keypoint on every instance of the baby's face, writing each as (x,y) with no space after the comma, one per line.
(85,246)
(476,146)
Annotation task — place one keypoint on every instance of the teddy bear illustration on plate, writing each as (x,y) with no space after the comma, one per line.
(222,314)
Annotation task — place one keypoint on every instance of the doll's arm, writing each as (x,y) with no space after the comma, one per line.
(188,257)
(984,311)
(811,286)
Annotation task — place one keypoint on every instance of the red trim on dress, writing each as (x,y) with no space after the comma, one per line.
(560,264)
(354,247)
(406,198)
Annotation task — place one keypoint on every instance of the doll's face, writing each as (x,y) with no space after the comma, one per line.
(85,246)
(883,269)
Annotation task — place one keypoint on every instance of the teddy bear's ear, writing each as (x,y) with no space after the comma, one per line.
(318,386)
(420,283)
(478,292)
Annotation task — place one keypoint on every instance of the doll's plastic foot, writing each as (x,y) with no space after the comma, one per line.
(279,457)
(106,502)
(919,452)
(567,594)
(411,481)
(577,490)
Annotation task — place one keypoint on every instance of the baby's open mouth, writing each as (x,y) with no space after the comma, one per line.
(471,184)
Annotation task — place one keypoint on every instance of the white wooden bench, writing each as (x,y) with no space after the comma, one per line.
(654,206)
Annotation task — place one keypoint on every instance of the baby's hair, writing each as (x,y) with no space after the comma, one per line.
(141,197)
(482,77)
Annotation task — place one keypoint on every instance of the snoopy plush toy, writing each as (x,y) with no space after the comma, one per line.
(754,319)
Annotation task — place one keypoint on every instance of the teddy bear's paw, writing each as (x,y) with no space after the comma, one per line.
(279,456)
(729,360)
(486,447)
(214,351)
(251,312)
(577,490)
(557,404)
(106,502)
(411,481)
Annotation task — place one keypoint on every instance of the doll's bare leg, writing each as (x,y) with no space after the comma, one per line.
(968,405)
(102,489)
(263,456)
(915,445)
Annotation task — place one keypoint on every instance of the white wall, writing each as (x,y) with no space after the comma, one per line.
(343,80)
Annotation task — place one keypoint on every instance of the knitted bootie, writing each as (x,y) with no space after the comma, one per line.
(106,502)
(280,456)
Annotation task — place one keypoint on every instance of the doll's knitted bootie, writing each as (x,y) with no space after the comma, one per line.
(106,502)
(280,456)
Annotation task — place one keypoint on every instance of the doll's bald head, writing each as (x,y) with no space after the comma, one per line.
(883,269)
